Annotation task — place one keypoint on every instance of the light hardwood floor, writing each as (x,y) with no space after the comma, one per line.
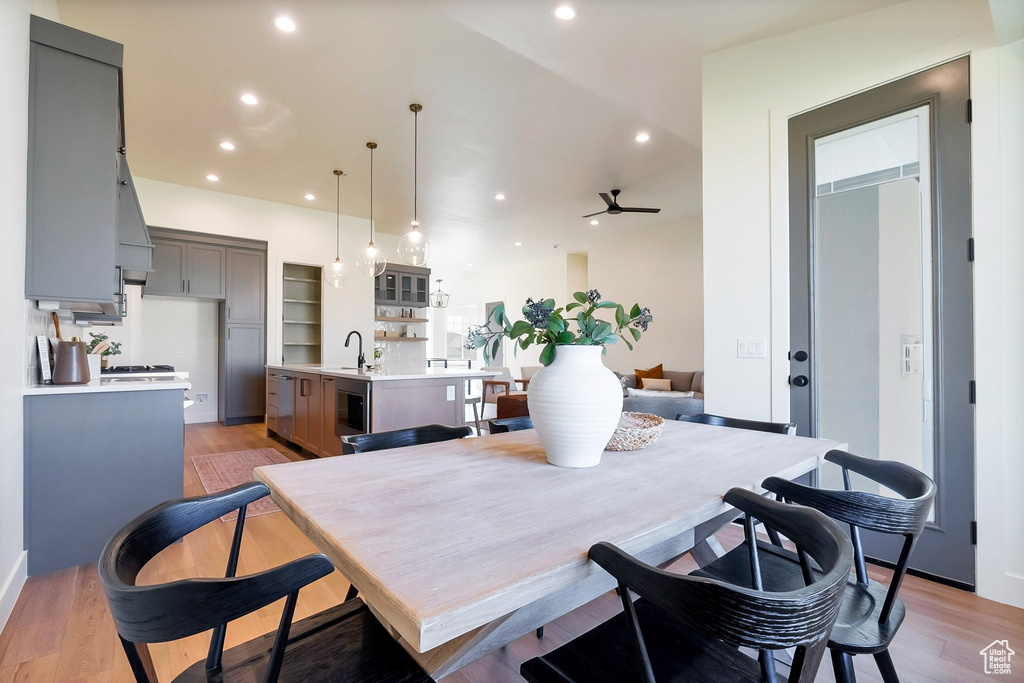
(61,629)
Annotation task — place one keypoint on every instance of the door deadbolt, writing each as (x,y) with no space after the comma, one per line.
(799,381)
(798,356)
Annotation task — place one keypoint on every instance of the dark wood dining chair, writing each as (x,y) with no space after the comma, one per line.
(512,424)
(414,436)
(690,628)
(754,425)
(871,613)
(344,643)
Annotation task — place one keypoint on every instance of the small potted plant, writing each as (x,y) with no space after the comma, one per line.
(101,346)
(575,401)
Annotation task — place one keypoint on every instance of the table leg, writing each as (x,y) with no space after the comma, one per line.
(707,551)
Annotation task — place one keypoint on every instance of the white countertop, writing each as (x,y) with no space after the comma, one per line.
(105,385)
(352,373)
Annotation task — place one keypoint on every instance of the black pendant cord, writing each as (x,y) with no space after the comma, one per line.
(337,227)
(415,167)
(372,195)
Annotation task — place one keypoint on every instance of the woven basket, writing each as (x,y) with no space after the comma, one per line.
(636,431)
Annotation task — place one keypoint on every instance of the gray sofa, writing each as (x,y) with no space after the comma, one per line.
(669,406)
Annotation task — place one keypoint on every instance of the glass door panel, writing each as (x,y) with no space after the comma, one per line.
(872,275)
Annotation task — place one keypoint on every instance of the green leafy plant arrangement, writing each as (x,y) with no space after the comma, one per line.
(101,345)
(552,327)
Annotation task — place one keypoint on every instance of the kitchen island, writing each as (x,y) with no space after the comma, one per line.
(96,456)
(313,406)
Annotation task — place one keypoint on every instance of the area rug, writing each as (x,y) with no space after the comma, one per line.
(221,471)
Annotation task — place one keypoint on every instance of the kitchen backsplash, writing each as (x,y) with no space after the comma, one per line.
(38,322)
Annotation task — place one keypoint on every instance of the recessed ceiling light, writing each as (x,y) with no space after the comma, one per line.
(285,24)
(310,197)
(519,244)
(249,98)
(593,222)
(227,145)
(212,178)
(565,13)
(642,137)
(469,265)
(499,196)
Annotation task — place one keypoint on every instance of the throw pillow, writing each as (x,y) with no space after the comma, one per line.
(658,384)
(650,373)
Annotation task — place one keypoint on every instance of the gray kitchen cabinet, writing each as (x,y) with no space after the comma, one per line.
(168,276)
(204,268)
(401,285)
(72,166)
(93,462)
(246,286)
(242,364)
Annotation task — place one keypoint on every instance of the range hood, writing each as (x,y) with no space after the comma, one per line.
(134,248)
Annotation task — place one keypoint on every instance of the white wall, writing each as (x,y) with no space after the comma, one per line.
(661,269)
(749,93)
(293,235)
(543,278)
(23,321)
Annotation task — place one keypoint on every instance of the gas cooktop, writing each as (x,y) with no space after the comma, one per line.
(135,369)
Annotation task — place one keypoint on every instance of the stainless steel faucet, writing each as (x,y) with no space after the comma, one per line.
(361,361)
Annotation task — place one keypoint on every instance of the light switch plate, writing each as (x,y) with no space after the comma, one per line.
(751,348)
(451,392)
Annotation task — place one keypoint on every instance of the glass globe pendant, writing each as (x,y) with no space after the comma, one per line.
(335,273)
(414,247)
(371,260)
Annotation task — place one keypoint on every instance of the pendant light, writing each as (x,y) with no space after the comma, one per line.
(371,259)
(439,298)
(414,248)
(335,274)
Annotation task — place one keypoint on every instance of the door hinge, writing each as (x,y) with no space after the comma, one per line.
(970,249)
(973,391)
(974,533)
(970,111)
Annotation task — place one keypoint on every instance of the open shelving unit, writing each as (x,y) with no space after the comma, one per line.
(301,339)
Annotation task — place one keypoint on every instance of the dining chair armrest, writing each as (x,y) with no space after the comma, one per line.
(860,508)
(898,476)
(496,384)
(525,382)
(223,600)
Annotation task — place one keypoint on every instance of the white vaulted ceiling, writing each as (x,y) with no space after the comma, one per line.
(515,101)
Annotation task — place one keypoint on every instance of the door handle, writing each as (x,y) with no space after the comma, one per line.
(799,381)
(798,356)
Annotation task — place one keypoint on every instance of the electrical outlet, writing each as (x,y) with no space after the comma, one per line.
(202,398)
(451,392)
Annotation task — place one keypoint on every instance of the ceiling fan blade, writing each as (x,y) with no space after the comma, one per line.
(607,199)
(627,209)
(591,215)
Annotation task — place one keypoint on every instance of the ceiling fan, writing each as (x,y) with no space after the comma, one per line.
(614,208)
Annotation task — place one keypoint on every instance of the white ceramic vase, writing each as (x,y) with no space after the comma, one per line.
(575,404)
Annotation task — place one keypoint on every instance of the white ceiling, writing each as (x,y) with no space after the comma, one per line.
(515,101)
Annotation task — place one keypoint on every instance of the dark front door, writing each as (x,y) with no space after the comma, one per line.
(881,293)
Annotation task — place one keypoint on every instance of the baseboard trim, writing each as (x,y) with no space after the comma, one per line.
(12,586)
(232,421)
(952,583)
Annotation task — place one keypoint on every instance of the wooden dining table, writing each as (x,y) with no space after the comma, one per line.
(463,546)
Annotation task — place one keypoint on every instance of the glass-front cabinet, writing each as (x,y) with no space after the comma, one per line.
(403,286)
